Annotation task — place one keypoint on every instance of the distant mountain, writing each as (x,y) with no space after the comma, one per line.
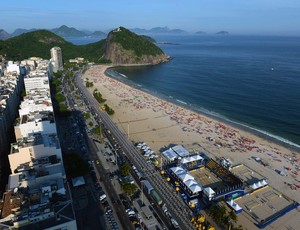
(177,31)
(139,31)
(3,34)
(20,31)
(97,34)
(65,31)
(200,32)
(86,31)
(159,30)
(222,32)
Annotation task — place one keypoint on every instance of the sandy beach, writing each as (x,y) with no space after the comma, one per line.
(159,123)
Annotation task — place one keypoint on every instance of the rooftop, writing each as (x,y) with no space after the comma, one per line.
(48,140)
(246,174)
(181,151)
(37,117)
(39,205)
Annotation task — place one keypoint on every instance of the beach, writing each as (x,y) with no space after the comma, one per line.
(159,123)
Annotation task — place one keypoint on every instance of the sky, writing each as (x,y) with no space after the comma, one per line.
(263,17)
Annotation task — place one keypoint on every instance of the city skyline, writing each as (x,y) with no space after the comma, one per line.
(237,17)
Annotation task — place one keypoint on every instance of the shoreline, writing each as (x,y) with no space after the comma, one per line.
(160,123)
(272,138)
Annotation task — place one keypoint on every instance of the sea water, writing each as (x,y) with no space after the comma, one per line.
(253,81)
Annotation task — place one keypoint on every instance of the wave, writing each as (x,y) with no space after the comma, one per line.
(182,102)
(123,75)
(273,136)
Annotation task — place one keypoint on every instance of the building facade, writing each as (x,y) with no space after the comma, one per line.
(38,195)
(56,58)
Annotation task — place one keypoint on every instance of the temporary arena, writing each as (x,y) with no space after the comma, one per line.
(265,205)
(242,188)
(198,177)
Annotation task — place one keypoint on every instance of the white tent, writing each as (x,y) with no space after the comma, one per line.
(191,159)
(234,206)
(195,188)
(186,177)
(77,181)
(181,151)
(190,182)
(209,191)
(259,184)
(178,170)
(170,154)
(264,182)
(254,186)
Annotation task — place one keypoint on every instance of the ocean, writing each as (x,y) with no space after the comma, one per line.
(252,81)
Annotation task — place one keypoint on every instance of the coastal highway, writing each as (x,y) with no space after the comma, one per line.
(175,204)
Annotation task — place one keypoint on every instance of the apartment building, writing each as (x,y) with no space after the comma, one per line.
(56,58)
(11,86)
(38,195)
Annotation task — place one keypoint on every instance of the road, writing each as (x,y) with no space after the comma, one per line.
(175,204)
(111,193)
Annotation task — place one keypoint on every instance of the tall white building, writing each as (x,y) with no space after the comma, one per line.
(56,58)
(37,195)
(36,80)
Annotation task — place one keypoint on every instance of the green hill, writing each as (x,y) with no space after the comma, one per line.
(131,41)
(122,47)
(126,47)
(38,44)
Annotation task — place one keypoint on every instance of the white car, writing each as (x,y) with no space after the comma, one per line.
(102,197)
(174,222)
(164,208)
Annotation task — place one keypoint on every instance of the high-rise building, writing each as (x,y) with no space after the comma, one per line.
(37,195)
(56,58)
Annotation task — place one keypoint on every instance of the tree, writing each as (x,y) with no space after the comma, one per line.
(232,215)
(87,116)
(125,169)
(109,110)
(218,214)
(129,189)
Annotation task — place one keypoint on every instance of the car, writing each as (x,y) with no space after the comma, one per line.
(98,187)
(174,222)
(97,162)
(169,214)
(164,208)
(105,203)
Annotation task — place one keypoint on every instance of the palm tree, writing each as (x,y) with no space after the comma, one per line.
(232,215)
